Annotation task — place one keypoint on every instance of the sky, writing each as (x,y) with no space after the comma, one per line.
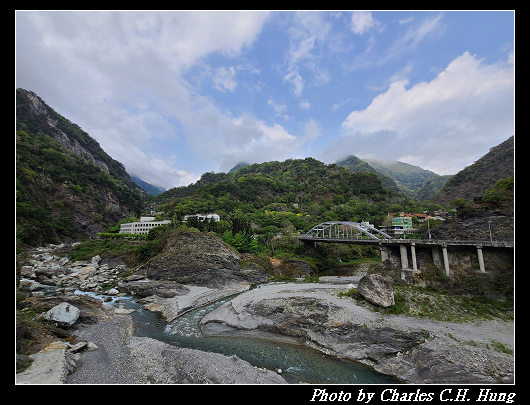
(174,94)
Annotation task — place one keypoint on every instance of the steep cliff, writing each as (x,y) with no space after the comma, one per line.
(67,186)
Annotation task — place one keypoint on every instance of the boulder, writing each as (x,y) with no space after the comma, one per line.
(113,291)
(377,290)
(64,314)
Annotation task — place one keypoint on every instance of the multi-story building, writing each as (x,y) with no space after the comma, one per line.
(143,226)
(401,224)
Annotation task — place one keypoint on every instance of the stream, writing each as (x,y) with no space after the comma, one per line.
(298,363)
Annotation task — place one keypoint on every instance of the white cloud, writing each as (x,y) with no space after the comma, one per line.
(214,136)
(441,125)
(308,32)
(94,67)
(224,78)
(430,27)
(362,21)
(296,80)
(305,105)
(278,108)
(163,169)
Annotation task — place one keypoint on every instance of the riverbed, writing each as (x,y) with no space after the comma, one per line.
(298,363)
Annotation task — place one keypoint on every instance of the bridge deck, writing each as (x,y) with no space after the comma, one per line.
(417,242)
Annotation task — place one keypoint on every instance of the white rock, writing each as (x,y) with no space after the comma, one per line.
(123,311)
(64,314)
(77,347)
(113,291)
(91,346)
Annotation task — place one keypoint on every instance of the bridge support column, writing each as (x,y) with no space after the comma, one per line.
(385,253)
(480,259)
(404,258)
(413,254)
(446,259)
(436,256)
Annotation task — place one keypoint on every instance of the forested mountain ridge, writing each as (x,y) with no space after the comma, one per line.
(291,195)
(147,187)
(354,165)
(67,186)
(412,181)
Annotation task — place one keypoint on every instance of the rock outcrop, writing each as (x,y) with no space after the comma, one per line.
(415,351)
(49,366)
(200,259)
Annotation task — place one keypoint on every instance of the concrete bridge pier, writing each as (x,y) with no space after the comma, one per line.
(446,259)
(480,259)
(407,273)
(413,254)
(437,261)
(404,258)
(385,253)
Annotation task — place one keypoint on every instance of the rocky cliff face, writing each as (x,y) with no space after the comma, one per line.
(475,223)
(67,186)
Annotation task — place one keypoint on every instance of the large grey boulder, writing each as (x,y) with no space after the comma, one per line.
(64,314)
(376,289)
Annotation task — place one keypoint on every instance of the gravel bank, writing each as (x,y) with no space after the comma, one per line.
(122,358)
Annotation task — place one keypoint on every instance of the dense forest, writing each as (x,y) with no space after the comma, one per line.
(262,205)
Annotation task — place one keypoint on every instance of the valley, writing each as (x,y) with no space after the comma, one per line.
(250,269)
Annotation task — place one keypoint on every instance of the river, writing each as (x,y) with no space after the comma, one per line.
(298,363)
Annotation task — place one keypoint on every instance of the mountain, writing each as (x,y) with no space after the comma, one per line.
(475,179)
(149,188)
(296,192)
(238,166)
(67,187)
(354,165)
(410,179)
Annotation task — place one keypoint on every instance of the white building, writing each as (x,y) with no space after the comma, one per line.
(143,226)
(215,217)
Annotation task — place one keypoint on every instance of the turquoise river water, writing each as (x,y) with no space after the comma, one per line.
(298,363)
